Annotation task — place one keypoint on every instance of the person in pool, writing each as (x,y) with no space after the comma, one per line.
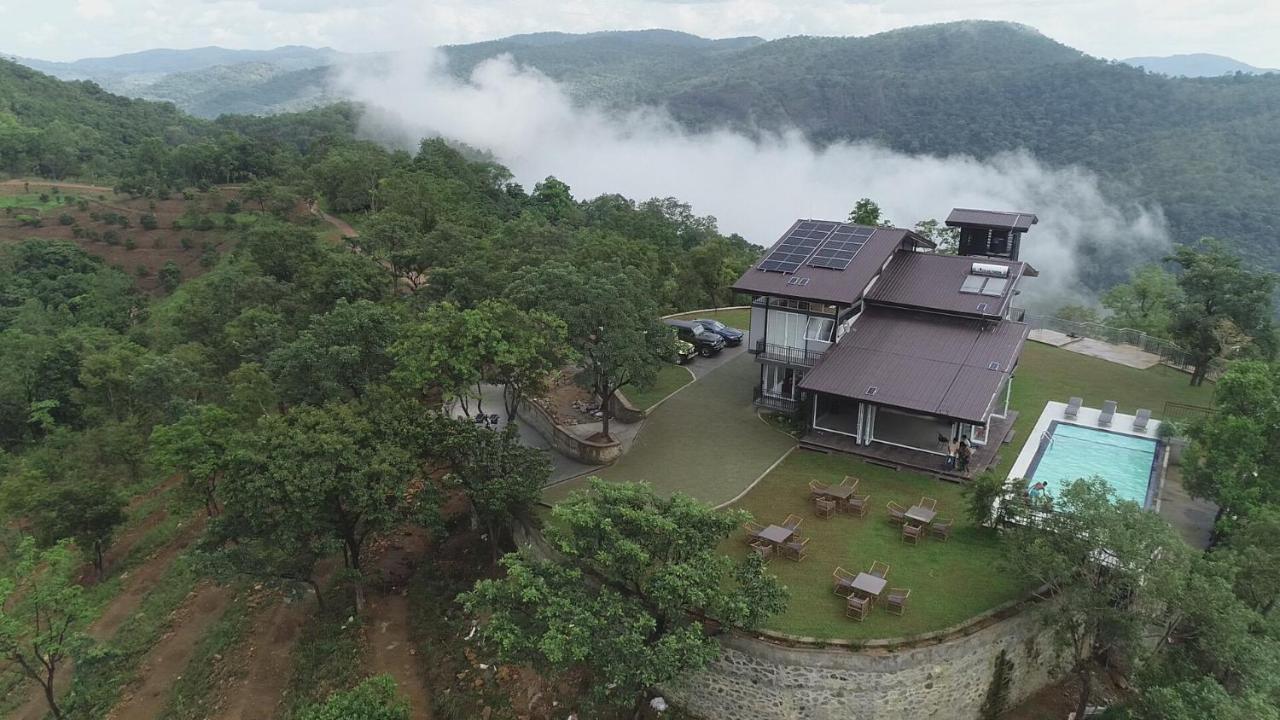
(1038,493)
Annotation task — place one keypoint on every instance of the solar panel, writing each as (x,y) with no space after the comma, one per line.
(840,248)
(995,286)
(797,247)
(972,284)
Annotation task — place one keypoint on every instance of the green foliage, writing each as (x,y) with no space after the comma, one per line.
(635,567)
(45,615)
(1078,314)
(980,495)
(148,221)
(86,511)
(66,219)
(1145,303)
(338,355)
(170,276)
(198,447)
(867,212)
(373,699)
(1226,308)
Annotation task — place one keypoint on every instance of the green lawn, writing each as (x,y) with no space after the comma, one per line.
(670,379)
(739,318)
(31,201)
(950,581)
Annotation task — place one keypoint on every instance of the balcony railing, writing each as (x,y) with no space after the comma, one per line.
(787,354)
(772,402)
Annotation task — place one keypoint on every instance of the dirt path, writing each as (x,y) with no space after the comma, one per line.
(168,659)
(342,226)
(51,183)
(135,586)
(265,660)
(392,651)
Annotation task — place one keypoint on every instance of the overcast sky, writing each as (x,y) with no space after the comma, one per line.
(1243,29)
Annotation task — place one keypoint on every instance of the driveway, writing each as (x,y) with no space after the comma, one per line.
(705,441)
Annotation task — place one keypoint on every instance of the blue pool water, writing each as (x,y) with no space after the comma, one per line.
(1075,451)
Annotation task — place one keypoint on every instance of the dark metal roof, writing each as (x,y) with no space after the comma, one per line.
(1018,221)
(932,282)
(920,361)
(839,286)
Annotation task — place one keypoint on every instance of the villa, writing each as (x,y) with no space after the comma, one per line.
(885,348)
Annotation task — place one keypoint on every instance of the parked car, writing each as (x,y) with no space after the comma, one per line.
(732,336)
(707,342)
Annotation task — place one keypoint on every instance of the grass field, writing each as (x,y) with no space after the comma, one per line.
(670,379)
(950,581)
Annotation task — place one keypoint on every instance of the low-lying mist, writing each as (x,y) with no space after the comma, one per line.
(755,187)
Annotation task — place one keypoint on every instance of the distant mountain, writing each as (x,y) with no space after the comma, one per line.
(1195,65)
(129,74)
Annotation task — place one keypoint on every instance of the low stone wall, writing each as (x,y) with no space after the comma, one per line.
(947,680)
(585,451)
(624,411)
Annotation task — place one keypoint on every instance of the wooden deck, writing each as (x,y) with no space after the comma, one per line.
(900,458)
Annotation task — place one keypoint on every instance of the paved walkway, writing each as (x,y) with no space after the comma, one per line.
(1126,355)
(705,441)
(1193,519)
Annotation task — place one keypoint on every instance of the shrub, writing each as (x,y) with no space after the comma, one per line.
(44,198)
(95,216)
(185,242)
(34,221)
(65,219)
(229,222)
(83,205)
(111,237)
(92,235)
(123,222)
(170,276)
(148,221)
(209,258)
(77,231)
(981,494)
(232,207)
(164,193)
(188,195)
(207,245)
(130,243)
(203,185)
(205,223)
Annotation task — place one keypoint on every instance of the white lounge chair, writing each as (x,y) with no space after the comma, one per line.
(1140,420)
(1108,413)
(1073,408)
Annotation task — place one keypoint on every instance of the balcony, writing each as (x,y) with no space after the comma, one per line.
(787,354)
(772,402)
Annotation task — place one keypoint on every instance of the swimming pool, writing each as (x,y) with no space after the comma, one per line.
(1126,462)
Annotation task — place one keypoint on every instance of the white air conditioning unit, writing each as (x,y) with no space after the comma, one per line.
(990,270)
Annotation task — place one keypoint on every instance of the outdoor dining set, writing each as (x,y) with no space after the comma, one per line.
(781,539)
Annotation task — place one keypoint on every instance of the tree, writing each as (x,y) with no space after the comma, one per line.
(635,572)
(86,511)
(946,239)
(199,446)
(867,212)
(343,471)
(531,347)
(1109,567)
(1226,309)
(170,276)
(399,241)
(611,321)
(45,615)
(1145,303)
(338,356)
(1234,457)
(502,477)
(373,699)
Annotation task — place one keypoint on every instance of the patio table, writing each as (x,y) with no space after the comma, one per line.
(869,584)
(775,534)
(922,515)
(839,492)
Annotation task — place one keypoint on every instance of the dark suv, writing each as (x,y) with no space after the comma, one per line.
(707,342)
(732,336)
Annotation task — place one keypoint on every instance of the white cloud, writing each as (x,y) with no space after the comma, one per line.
(753,188)
(94,9)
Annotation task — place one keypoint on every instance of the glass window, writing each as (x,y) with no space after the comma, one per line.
(819,329)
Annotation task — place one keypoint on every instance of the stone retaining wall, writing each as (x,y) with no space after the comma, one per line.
(585,451)
(945,681)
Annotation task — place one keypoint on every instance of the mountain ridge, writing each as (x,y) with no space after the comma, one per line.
(1195,65)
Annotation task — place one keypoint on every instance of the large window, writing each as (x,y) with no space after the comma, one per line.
(781,382)
(786,329)
(820,329)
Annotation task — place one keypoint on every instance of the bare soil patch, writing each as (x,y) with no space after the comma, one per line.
(569,402)
(169,657)
(258,671)
(1058,701)
(387,623)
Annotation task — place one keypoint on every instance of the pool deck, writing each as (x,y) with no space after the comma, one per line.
(1087,417)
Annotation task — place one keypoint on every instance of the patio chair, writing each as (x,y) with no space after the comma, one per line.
(928,503)
(1073,408)
(792,522)
(1108,413)
(1140,420)
(896,600)
(941,529)
(849,481)
(897,513)
(816,490)
(879,569)
(753,529)
(796,549)
(858,505)
(824,507)
(912,533)
(843,580)
(763,549)
(857,608)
